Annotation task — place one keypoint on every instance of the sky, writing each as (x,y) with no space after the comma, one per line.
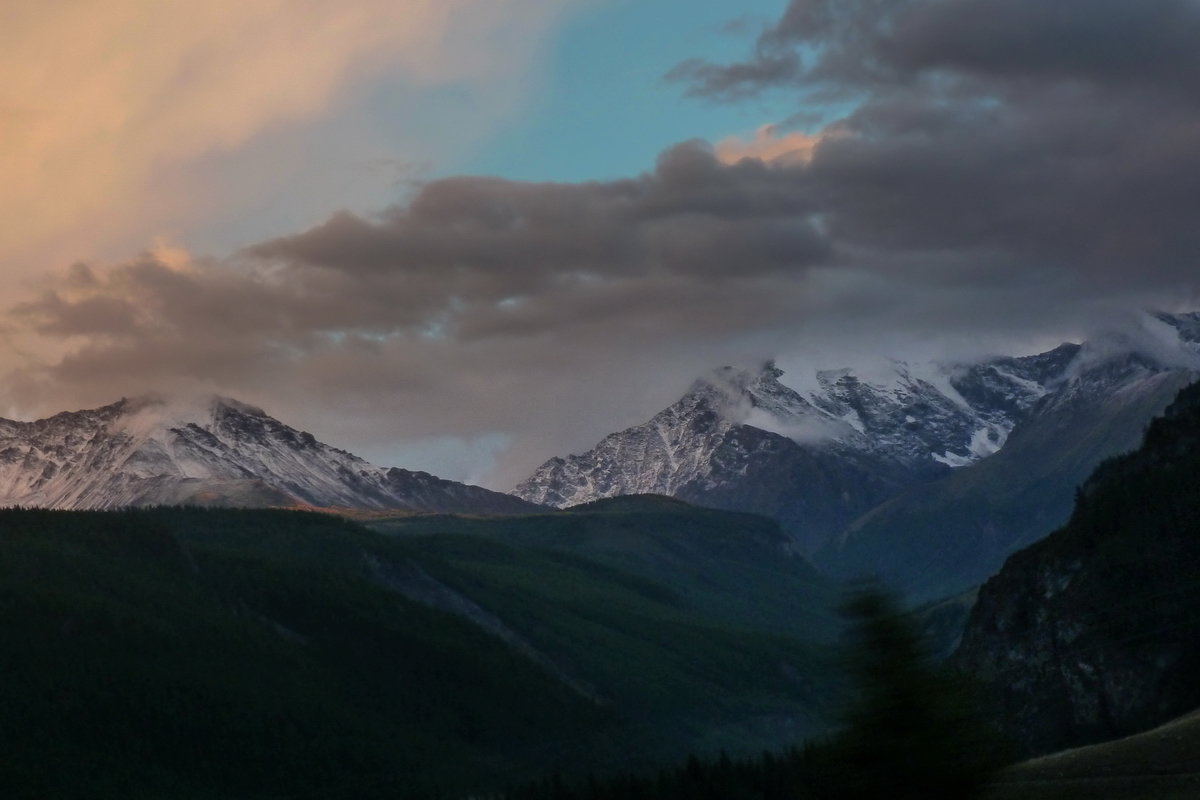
(467,235)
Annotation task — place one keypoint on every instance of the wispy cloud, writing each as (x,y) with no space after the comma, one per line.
(105,103)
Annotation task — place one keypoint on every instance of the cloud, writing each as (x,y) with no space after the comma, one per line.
(844,46)
(737,81)
(1144,334)
(1052,136)
(106,104)
(468,259)
(448,312)
(768,144)
(960,200)
(495,239)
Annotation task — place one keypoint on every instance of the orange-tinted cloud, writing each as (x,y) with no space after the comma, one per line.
(101,98)
(769,145)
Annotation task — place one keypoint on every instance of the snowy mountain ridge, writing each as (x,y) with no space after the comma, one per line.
(742,439)
(917,423)
(153,450)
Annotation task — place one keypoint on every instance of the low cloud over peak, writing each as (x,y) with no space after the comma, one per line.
(955,198)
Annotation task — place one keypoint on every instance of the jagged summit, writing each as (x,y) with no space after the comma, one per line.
(154,449)
(741,439)
(819,455)
(920,421)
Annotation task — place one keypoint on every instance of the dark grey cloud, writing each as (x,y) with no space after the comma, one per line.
(471,258)
(996,171)
(481,306)
(869,45)
(1056,135)
(523,234)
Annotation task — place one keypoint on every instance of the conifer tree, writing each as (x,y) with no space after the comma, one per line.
(913,730)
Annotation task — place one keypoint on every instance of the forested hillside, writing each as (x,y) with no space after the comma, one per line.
(221,653)
(1092,633)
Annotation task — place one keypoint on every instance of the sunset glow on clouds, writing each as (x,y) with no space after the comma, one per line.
(183,202)
(791,147)
(105,102)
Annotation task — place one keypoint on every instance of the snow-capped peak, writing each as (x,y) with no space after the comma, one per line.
(818,448)
(156,449)
(909,419)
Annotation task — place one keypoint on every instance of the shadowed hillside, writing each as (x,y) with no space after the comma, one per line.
(1092,633)
(1163,763)
(221,653)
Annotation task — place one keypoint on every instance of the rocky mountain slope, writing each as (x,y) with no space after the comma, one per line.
(943,537)
(816,460)
(214,451)
(909,426)
(824,460)
(700,450)
(1092,633)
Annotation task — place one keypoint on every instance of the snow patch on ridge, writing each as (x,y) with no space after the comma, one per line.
(952,460)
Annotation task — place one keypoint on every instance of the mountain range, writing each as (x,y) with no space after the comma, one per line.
(927,475)
(816,460)
(212,451)
(642,626)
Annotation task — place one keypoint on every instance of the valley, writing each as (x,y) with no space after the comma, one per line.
(677,592)
(599,400)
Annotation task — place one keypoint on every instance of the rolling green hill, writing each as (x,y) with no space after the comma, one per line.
(1163,763)
(190,653)
(697,623)
(735,567)
(242,654)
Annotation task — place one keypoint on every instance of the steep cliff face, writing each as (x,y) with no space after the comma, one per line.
(1094,632)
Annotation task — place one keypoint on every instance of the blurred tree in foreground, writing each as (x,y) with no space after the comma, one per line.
(914,729)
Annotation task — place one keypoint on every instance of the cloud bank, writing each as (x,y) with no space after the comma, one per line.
(998,173)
